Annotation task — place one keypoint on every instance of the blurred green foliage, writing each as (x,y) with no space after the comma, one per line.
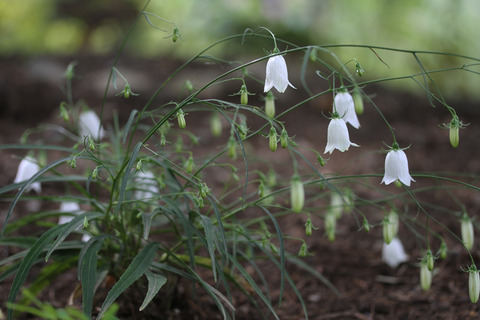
(31,27)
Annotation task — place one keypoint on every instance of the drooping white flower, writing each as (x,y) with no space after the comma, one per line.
(345,107)
(26,169)
(146,185)
(277,74)
(393,253)
(396,167)
(89,124)
(338,137)
(68,207)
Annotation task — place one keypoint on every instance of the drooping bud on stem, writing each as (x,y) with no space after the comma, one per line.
(468,235)
(270,105)
(181,119)
(425,275)
(473,283)
(272,139)
(297,194)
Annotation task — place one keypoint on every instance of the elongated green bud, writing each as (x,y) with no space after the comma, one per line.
(430,260)
(358,101)
(473,284)
(232,148)
(272,139)
(303,250)
(454,136)
(425,276)
(270,105)
(284,138)
(297,194)
(181,119)
(468,235)
(308,227)
(330,226)
(443,250)
(189,164)
(216,125)
(244,95)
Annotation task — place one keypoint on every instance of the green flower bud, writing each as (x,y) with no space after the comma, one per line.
(127,91)
(313,54)
(216,125)
(297,194)
(443,250)
(91,143)
(330,226)
(189,164)
(468,235)
(73,163)
(336,205)
(270,105)
(244,95)
(454,136)
(358,69)
(175,34)
(366,224)
(473,284)
(358,101)
(272,139)
(63,112)
(138,167)
(189,85)
(303,250)
(242,128)
(284,138)
(95,173)
(232,148)
(163,140)
(425,276)
(320,160)
(390,227)
(69,73)
(308,227)
(430,260)
(181,119)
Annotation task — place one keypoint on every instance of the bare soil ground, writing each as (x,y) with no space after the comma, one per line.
(30,93)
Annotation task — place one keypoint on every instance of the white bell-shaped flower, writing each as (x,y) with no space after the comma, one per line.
(26,169)
(396,167)
(345,107)
(277,74)
(393,253)
(338,137)
(146,185)
(89,124)
(68,207)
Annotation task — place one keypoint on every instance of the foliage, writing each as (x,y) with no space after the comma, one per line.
(148,204)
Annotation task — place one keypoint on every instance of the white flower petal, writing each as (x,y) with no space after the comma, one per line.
(26,169)
(393,254)
(146,185)
(277,74)
(89,124)
(396,168)
(68,207)
(345,108)
(338,137)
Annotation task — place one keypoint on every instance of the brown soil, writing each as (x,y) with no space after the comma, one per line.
(368,288)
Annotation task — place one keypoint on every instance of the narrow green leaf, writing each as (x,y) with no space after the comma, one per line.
(210,235)
(155,283)
(135,270)
(27,263)
(123,186)
(76,222)
(129,124)
(88,272)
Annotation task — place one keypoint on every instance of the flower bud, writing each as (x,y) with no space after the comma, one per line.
(91,143)
(430,260)
(189,85)
(189,164)
(303,250)
(69,73)
(454,136)
(468,235)
(232,148)
(336,204)
(366,224)
(216,125)
(175,34)
(358,69)
(308,227)
(320,160)
(390,227)
(95,173)
(425,276)
(284,138)
(242,128)
(138,167)
(244,95)
(270,105)
(163,140)
(443,250)
(272,139)
(127,91)
(297,194)
(473,284)
(358,101)
(313,54)
(64,112)
(330,226)
(181,119)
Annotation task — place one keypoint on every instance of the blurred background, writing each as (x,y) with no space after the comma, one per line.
(96,27)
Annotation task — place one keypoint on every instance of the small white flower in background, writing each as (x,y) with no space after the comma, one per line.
(393,254)
(277,74)
(345,107)
(26,169)
(338,137)
(396,167)
(68,207)
(89,124)
(146,185)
